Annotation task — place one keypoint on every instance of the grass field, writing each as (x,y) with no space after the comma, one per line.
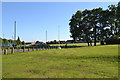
(74,44)
(82,62)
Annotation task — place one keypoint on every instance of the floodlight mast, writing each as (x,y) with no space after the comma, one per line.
(46,36)
(3,35)
(14,38)
(59,37)
(15,30)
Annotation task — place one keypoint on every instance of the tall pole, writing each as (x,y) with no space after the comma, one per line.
(3,36)
(15,30)
(46,36)
(59,35)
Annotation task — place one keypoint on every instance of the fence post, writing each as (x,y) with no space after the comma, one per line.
(12,51)
(33,49)
(28,49)
(2,50)
(5,51)
(17,49)
(23,49)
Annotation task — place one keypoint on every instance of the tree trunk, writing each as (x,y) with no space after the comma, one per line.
(101,42)
(95,36)
(88,43)
(75,39)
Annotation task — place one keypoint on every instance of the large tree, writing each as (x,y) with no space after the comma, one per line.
(87,26)
(118,19)
(96,24)
(112,19)
(75,23)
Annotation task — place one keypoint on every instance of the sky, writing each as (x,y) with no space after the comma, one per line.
(33,19)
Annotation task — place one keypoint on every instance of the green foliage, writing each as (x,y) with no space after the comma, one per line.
(10,42)
(18,41)
(23,43)
(53,42)
(37,41)
(96,24)
(4,42)
(118,11)
(113,40)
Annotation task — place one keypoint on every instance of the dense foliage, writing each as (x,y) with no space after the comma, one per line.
(11,43)
(96,24)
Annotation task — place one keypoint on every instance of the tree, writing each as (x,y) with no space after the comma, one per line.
(73,28)
(4,42)
(10,40)
(96,24)
(75,25)
(103,24)
(23,43)
(118,19)
(37,42)
(112,19)
(86,30)
(18,41)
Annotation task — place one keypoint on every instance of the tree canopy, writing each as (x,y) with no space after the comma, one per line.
(96,24)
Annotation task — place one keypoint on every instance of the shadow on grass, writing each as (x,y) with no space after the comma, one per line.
(72,46)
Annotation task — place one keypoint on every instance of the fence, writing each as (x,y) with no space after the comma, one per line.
(27,49)
(12,50)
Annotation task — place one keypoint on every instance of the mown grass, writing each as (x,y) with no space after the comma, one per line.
(74,44)
(82,62)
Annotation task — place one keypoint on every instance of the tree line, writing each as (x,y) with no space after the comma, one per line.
(56,42)
(96,24)
(9,42)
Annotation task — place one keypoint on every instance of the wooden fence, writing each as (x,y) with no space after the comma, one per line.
(12,50)
(27,49)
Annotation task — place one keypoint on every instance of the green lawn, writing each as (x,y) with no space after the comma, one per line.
(73,44)
(82,62)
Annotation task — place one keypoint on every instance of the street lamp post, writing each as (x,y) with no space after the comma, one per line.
(59,37)
(46,36)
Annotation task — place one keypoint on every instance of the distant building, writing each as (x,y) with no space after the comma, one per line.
(30,43)
(69,41)
(39,43)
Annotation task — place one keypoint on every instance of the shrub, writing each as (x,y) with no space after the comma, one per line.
(113,40)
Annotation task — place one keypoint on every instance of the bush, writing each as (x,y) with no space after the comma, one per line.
(102,42)
(114,40)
